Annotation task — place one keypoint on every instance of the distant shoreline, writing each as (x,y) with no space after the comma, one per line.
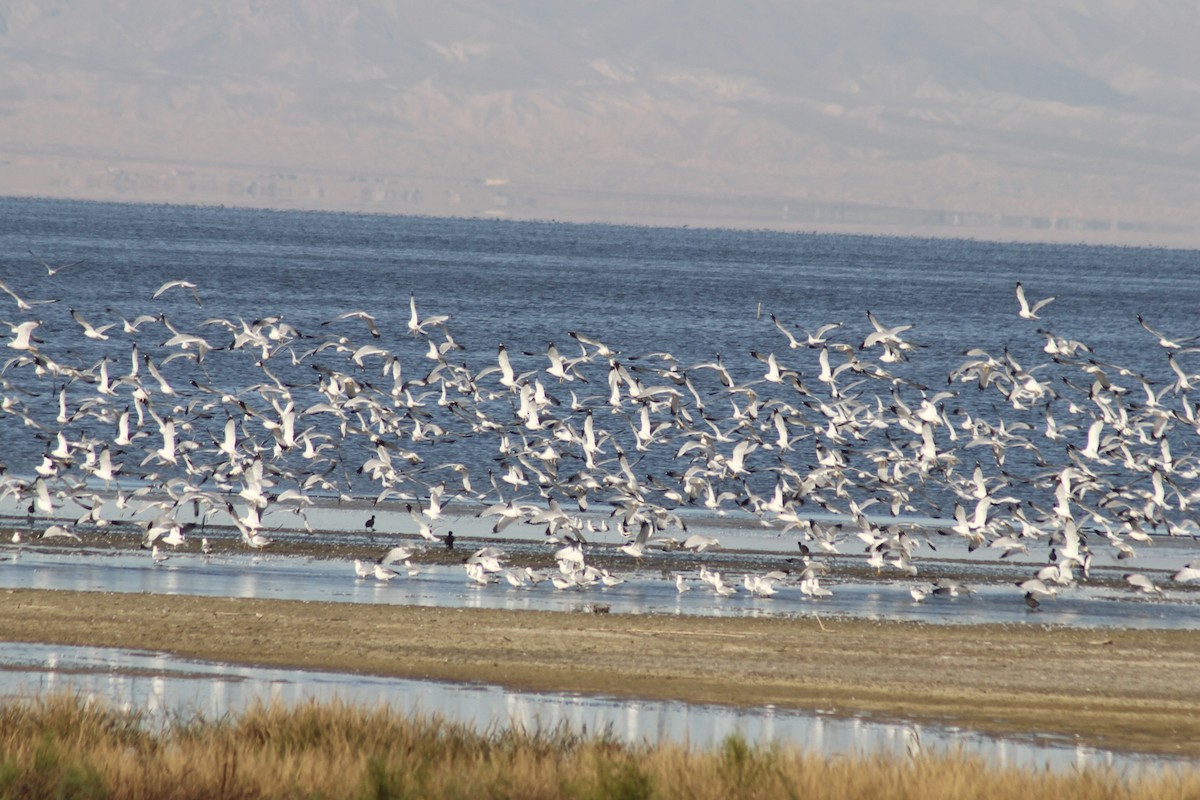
(1150,237)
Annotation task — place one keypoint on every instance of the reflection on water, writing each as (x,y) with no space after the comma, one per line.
(643,592)
(161,685)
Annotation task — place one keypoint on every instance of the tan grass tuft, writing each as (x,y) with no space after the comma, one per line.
(63,746)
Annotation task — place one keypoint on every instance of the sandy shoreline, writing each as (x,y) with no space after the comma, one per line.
(1122,689)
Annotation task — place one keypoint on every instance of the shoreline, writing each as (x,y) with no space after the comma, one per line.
(1120,689)
(350,545)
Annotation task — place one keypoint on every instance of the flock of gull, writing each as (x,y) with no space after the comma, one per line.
(166,423)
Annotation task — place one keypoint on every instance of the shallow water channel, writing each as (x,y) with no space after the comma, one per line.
(163,687)
(644,591)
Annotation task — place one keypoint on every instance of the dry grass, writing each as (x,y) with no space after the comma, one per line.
(63,747)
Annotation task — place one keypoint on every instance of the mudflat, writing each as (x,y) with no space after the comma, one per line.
(1124,689)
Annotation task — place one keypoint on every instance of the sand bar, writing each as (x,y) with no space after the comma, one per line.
(1122,689)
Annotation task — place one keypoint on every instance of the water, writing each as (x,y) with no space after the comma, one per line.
(646,590)
(700,295)
(166,688)
(690,292)
(696,294)
(703,296)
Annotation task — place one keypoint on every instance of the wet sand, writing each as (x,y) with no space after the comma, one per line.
(1121,689)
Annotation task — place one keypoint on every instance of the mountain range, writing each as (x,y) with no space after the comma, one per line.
(1057,119)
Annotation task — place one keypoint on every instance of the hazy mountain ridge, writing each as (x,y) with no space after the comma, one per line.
(1026,109)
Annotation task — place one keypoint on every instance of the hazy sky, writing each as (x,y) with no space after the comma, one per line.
(1052,119)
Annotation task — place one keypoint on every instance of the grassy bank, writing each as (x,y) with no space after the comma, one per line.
(63,747)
